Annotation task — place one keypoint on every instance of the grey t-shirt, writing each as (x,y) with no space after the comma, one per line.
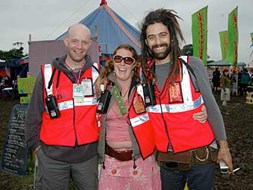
(161,72)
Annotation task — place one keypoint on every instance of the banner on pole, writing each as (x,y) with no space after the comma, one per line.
(199,34)
(224,44)
(233,37)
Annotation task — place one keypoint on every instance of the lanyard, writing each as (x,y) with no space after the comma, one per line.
(79,76)
(77,79)
(119,100)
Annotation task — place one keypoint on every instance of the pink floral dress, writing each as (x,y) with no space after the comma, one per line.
(119,175)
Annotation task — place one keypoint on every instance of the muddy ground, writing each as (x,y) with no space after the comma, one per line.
(238,118)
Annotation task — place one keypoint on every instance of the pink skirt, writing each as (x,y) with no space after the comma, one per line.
(122,176)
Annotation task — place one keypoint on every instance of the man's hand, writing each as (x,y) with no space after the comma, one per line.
(224,155)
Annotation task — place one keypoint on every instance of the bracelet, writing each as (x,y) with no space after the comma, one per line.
(224,149)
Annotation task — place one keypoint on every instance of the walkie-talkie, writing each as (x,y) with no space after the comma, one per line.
(104,100)
(52,106)
(149,93)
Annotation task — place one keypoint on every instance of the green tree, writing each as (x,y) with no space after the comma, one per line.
(12,54)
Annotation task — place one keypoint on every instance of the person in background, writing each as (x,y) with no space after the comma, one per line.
(187,149)
(225,87)
(244,81)
(233,83)
(216,79)
(6,82)
(61,124)
(126,151)
(251,77)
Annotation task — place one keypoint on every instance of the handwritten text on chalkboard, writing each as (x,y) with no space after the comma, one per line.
(15,151)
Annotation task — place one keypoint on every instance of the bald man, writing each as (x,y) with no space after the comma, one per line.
(61,125)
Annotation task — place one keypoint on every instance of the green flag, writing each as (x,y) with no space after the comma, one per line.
(224,44)
(199,34)
(232,37)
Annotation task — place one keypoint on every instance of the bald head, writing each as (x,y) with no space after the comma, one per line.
(77,41)
(80,28)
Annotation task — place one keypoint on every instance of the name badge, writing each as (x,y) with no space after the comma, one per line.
(138,104)
(175,93)
(87,87)
(78,94)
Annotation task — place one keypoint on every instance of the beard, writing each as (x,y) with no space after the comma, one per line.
(161,55)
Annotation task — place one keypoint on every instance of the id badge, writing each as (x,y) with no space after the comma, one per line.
(78,93)
(175,93)
(87,87)
(138,104)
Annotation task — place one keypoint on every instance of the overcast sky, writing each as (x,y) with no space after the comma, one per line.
(48,19)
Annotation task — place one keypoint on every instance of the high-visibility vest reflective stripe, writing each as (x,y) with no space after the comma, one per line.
(66,105)
(175,108)
(95,75)
(139,120)
(69,104)
(47,77)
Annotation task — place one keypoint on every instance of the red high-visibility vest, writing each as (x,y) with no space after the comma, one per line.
(173,125)
(141,126)
(77,124)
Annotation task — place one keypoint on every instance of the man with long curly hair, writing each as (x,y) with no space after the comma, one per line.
(186,147)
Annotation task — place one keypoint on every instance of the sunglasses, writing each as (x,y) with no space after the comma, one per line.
(127,60)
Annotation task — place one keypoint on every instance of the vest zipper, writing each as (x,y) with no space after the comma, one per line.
(166,127)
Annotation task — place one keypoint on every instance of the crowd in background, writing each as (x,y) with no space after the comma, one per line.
(245,79)
(225,82)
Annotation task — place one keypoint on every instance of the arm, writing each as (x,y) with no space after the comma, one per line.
(224,154)
(213,111)
(34,115)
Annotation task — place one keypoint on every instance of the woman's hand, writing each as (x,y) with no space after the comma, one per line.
(201,116)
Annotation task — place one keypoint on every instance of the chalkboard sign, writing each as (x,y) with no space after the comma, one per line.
(15,150)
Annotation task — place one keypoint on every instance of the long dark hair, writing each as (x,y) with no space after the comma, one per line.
(169,19)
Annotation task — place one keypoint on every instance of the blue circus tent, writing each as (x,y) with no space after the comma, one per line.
(109,29)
